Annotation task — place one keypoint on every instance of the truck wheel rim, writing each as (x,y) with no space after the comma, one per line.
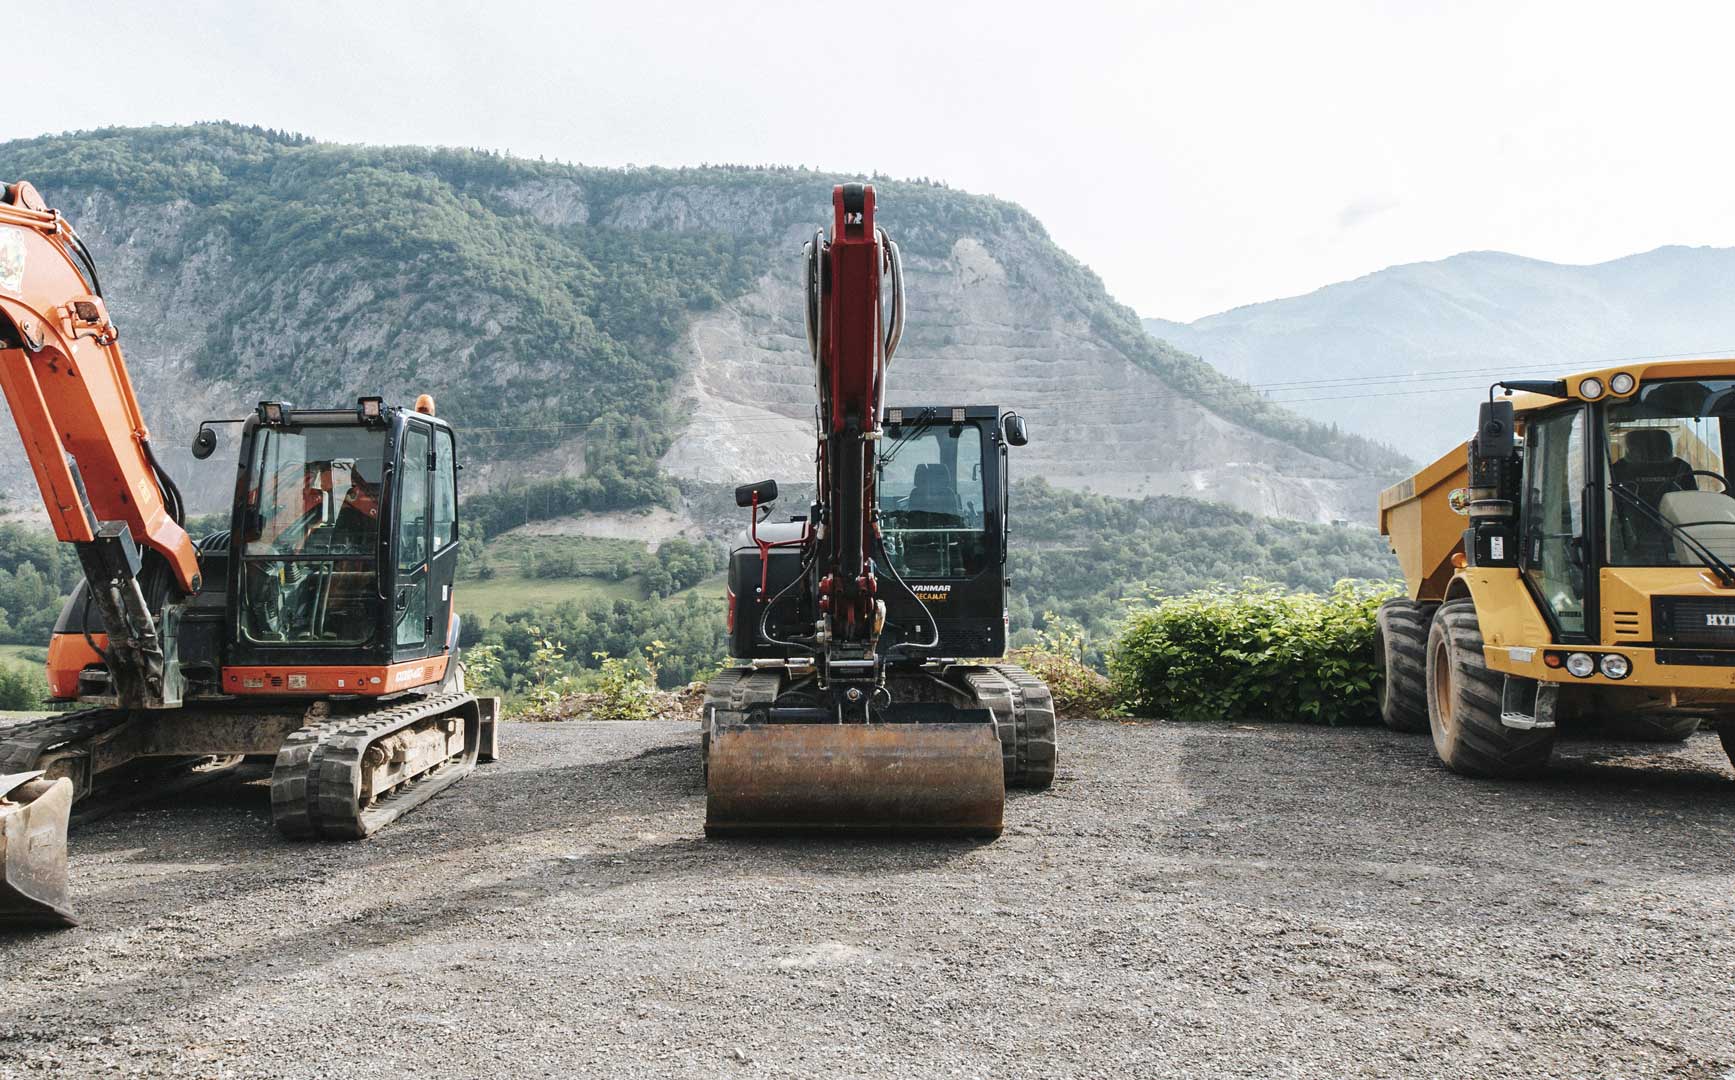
(1443,685)
(1385,668)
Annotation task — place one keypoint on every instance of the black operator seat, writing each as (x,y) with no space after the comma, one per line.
(1649,468)
(933,493)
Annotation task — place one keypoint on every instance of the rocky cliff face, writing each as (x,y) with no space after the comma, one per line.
(1098,421)
(535,298)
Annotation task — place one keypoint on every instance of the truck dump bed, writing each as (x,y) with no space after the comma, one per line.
(1424,527)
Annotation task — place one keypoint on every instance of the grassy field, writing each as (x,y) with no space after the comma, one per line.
(598,559)
(24,655)
(509,592)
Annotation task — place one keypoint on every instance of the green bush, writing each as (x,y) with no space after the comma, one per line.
(22,689)
(626,687)
(1253,653)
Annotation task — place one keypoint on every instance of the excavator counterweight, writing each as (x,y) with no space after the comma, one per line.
(842,710)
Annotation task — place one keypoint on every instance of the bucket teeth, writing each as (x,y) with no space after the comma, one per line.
(945,779)
(33,820)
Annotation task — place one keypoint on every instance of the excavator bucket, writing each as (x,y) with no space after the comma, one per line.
(938,779)
(33,819)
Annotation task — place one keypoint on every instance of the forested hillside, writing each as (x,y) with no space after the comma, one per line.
(555,311)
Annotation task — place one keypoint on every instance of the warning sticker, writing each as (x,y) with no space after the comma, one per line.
(12,261)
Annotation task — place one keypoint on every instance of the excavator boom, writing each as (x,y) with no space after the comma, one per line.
(67,384)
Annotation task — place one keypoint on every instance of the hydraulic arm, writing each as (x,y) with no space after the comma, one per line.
(66,382)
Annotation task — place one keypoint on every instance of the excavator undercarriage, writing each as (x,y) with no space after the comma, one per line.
(939,759)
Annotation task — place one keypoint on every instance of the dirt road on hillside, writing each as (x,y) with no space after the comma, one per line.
(1186,901)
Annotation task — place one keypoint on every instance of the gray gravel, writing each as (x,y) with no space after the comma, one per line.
(1187,901)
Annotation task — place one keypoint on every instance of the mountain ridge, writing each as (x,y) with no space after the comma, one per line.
(564,315)
(1424,333)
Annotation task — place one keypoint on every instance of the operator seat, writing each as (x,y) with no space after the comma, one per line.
(932,507)
(933,493)
(1650,469)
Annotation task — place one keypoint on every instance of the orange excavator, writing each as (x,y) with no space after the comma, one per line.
(317,632)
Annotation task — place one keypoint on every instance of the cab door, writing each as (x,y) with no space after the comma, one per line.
(443,562)
(412,604)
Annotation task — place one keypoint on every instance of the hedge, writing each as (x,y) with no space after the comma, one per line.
(1255,652)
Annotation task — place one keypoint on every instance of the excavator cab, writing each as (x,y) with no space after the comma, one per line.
(343,545)
(335,575)
(941,486)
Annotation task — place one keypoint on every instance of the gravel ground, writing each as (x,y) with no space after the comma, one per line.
(1265,901)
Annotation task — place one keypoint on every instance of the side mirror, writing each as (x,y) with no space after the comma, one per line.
(205,443)
(1012,427)
(764,492)
(1495,428)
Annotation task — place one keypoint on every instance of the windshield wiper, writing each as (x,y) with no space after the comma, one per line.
(1725,573)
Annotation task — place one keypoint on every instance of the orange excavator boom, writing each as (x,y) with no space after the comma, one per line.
(66,381)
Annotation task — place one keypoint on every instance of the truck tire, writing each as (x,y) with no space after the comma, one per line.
(1401,641)
(1726,732)
(1464,704)
(1652,727)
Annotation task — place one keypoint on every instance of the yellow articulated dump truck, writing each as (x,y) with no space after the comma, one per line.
(1571,563)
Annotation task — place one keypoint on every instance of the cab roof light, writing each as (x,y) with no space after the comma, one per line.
(372,410)
(274,413)
(1621,383)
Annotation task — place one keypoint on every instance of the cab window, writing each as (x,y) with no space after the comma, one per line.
(445,492)
(1554,482)
(933,501)
(309,531)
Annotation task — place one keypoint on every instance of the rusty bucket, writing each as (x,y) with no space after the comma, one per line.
(33,819)
(937,779)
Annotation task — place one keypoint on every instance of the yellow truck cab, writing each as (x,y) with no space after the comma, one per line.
(1572,562)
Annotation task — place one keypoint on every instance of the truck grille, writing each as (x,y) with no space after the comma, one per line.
(1681,620)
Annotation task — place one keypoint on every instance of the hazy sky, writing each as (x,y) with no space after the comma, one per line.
(1197,156)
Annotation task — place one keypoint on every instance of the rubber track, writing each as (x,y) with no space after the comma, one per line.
(1403,631)
(717,699)
(332,781)
(1037,743)
(23,745)
(1024,716)
(291,810)
(1484,747)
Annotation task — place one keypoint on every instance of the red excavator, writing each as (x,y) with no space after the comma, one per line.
(850,704)
(317,632)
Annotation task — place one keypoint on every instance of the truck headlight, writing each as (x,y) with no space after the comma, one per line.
(1620,384)
(1616,666)
(1581,665)
(1590,389)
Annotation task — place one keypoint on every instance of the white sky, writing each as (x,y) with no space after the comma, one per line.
(1197,156)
